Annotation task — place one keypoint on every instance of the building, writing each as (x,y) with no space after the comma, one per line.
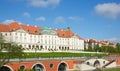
(92,43)
(33,38)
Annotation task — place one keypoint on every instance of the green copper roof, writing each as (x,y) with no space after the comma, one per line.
(48,31)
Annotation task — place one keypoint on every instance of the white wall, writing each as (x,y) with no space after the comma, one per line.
(25,39)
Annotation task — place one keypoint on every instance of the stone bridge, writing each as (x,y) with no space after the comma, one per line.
(57,64)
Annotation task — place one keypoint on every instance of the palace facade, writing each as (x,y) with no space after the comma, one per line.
(33,38)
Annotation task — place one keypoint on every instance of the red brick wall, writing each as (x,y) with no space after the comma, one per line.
(46,64)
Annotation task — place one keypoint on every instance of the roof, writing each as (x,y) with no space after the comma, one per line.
(15,25)
(92,40)
(66,33)
(4,28)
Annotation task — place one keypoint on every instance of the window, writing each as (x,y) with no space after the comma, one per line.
(22,68)
(15,33)
(36,31)
(20,34)
(88,63)
(51,65)
(60,48)
(29,46)
(103,62)
(41,47)
(5,34)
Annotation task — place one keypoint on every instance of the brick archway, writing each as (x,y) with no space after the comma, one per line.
(97,64)
(6,68)
(62,66)
(38,67)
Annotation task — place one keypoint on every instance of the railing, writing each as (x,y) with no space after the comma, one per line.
(58,58)
(108,63)
(50,58)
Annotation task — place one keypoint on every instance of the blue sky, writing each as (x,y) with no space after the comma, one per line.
(98,19)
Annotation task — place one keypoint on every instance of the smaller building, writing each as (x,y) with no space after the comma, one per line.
(92,43)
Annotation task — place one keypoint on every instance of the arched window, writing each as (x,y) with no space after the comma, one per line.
(4,68)
(38,67)
(41,47)
(22,68)
(88,63)
(29,46)
(62,67)
(33,46)
(59,48)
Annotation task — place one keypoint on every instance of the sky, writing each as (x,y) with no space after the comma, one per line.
(96,19)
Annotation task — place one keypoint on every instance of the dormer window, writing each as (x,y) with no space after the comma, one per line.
(35,31)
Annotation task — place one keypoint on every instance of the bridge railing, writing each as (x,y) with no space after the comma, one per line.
(58,58)
(50,58)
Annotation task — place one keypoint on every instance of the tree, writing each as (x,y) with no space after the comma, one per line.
(96,48)
(118,47)
(8,51)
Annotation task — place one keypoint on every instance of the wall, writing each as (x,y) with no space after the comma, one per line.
(46,64)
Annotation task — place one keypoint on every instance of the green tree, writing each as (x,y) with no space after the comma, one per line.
(111,49)
(96,48)
(118,47)
(9,51)
(104,49)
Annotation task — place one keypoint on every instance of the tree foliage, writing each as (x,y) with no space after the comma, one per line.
(8,51)
(106,49)
(118,47)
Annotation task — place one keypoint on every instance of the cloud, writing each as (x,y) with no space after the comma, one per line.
(76,19)
(43,3)
(59,19)
(114,40)
(8,21)
(109,10)
(26,14)
(40,19)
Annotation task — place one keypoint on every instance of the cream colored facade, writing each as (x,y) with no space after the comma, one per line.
(47,40)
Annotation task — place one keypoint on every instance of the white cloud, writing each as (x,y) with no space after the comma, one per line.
(109,10)
(59,19)
(26,14)
(43,3)
(114,40)
(40,19)
(8,21)
(76,19)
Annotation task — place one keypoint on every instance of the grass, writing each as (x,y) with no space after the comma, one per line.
(57,54)
(60,54)
(112,69)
